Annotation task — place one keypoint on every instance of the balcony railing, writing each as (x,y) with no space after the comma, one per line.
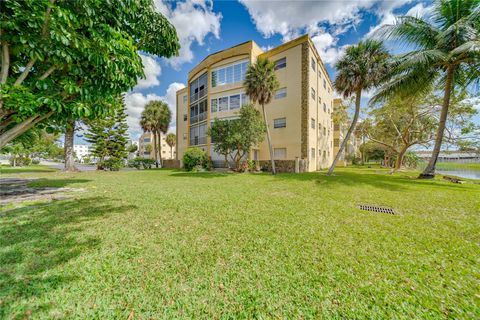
(198,95)
(198,118)
(198,140)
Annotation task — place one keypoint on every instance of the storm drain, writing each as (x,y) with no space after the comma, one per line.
(376,209)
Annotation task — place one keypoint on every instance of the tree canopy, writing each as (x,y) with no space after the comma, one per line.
(70,59)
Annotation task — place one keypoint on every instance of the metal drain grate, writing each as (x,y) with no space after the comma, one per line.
(376,209)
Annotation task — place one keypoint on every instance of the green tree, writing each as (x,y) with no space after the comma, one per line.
(402,122)
(108,137)
(132,148)
(156,118)
(445,52)
(236,137)
(260,85)
(61,60)
(361,68)
(171,140)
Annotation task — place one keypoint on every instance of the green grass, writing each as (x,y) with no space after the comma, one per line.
(457,166)
(169,244)
(7,169)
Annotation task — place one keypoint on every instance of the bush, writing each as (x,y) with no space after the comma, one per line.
(20,161)
(195,157)
(140,163)
(35,161)
(112,164)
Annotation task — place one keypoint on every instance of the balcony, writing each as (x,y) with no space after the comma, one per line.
(194,96)
(198,118)
(195,141)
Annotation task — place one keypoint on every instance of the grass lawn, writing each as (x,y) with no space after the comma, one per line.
(169,244)
(457,166)
(5,169)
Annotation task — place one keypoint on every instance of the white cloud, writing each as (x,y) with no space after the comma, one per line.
(388,17)
(136,101)
(152,71)
(327,47)
(194,21)
(290,18)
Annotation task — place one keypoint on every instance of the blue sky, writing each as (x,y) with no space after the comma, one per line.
(205,27)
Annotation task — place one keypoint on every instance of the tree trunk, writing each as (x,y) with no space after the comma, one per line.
(154,149)
(269,140)
(349,132)
(429,172)
(160,148)
(68,148)
(399,161)
(171,152)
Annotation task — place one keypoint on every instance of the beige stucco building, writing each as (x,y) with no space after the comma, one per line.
(147,139)
(299,116)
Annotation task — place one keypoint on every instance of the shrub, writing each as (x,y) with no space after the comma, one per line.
(113,163)
(195,157)
(35,161)
(141,163)
(20,161)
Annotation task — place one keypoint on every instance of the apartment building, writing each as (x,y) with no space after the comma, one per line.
(147,139)
(339,133)
(81,151)
(299,116)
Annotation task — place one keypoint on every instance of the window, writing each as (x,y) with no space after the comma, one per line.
(319,73)
(320,127)
(336,142)
(324,153)
(198,134)
(313,64)
(146,139)
(313,93)
(312,123)
(324,131)
(184,136)
(328,89)
(228,103)
(281,63)
(280,123)
(235,102)
(198,87)
(213,105)
(279,153)
(184,117)
(281,93)
(312,153)
(223,104)
(324,84)
(184,99)
(324,107)
(229,74)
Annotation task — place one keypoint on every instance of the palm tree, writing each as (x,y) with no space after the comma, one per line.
(147,122)
(260,85)
(361,68)
(446,53)
(171,141)
(157,117)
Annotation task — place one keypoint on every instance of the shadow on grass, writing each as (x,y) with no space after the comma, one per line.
(35,242)
(368,177)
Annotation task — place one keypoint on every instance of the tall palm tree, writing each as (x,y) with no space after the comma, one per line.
(260,85)
(147,122)
(159,117)
(171,140)
(446,53)
(361,68)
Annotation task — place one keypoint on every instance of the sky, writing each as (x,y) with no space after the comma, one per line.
(205,27)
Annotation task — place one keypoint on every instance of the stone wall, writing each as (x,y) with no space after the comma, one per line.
(172,164)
